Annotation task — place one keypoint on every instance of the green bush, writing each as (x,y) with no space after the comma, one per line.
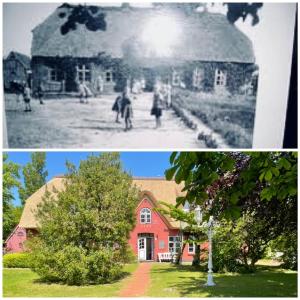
(17,260)
(75,266)
(226,249)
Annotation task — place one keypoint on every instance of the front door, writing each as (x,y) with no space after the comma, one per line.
(145,248)
(142,248)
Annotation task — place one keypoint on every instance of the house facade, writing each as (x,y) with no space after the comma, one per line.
(207,53)
(16,69)
(153,234)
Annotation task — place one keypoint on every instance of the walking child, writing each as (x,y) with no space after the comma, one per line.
(81,91)
(157,107)
(27,97)
(127,112)
(117,107)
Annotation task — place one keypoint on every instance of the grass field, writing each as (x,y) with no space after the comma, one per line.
(166,281)
(25,283)
(230,116)
(186,281)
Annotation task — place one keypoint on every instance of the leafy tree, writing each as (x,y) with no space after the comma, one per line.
(85,228)
(88,15)
(11,219)
(229,178)
(255,191)
(10,180)
(34,175)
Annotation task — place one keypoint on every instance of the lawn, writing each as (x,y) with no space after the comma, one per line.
(186,281)
(230,116)
(25,283)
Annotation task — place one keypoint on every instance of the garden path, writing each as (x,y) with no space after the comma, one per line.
(65,123)
(139,282)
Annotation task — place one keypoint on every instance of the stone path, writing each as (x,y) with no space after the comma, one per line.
(138,283)
(65,123)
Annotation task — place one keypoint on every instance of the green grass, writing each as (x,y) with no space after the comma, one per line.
(186,281)
(230,116)
(25,283)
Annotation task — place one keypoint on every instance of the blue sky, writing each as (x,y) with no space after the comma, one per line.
(144,164)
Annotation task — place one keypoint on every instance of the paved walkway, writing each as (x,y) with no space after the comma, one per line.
(139,282)
(65,123)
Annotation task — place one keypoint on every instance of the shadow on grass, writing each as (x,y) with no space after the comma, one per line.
(265,282)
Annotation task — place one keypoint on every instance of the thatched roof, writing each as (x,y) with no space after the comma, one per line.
(203,36)
(157,189)
(22,58)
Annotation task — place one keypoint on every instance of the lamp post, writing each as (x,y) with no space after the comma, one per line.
(210,280)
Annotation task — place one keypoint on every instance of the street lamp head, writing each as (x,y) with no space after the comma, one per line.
(198,215)
(210,221)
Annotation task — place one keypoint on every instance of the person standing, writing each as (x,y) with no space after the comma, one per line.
(87,91)
(117,107)
(27,97)
(81,91)
(100,85)
(157,107)
(40,93)
(127,112)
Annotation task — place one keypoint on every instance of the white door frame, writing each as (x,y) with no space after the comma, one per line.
(143,257)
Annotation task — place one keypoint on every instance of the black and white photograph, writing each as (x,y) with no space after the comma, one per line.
(147,75)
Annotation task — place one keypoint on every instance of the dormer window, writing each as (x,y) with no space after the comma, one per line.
(145,216)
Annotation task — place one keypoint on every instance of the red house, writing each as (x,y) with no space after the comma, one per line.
(153,234)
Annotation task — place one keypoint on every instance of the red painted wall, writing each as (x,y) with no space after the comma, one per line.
(160,230)
(15,241)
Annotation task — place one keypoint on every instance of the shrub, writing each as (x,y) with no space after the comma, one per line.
(75,266)
(17,260)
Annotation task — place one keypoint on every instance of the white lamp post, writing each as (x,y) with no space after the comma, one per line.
(210,280)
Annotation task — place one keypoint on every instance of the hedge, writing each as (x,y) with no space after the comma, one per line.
(17,260)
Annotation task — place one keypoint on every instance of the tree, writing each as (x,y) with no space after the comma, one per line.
(87,15)
(85,228)
(34,175)
(256,192)
(10,181)
(235,11)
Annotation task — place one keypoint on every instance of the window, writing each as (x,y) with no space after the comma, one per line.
(197,77)
(191,248)
(220,78)
(145,216)
(176,78)
(20,233)
(83,73)
(108,76)
(53,75)
(174,244)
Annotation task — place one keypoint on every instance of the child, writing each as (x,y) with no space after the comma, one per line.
(81,90)
(127,111)
(27,97)
(117,107)
(157,107)
(40,93)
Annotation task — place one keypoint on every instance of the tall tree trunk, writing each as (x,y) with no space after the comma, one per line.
(196,259)
(179,255)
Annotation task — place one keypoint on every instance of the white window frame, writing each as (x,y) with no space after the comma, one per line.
(53,73)
(197,77)
(176,78)
(110,72)
(83,70)
(145,216)
(189,251)
(220,78)
(174,239)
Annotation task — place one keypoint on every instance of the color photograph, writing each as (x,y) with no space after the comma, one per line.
(150,224)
